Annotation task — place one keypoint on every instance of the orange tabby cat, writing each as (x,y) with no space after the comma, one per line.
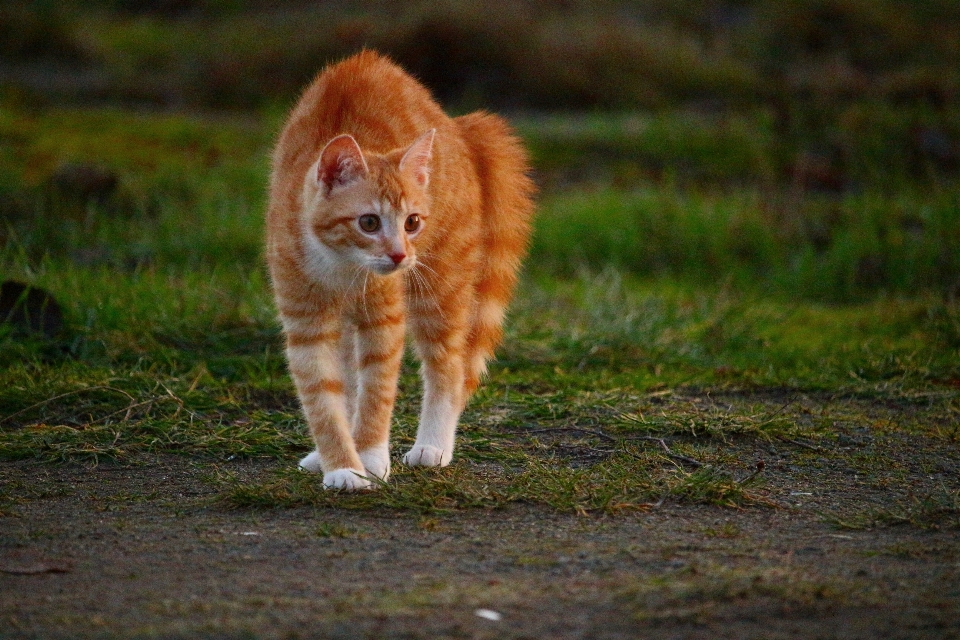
(386,214)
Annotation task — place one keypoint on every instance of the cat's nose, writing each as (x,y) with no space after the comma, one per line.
(397,257)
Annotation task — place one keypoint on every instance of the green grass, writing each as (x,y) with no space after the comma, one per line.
(655,332)
(627,148)
(894,236)
(163,166)
(636,305)
(573,416)
(619,485)
(836,249)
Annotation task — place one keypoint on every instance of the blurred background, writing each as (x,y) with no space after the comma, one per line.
(800,147)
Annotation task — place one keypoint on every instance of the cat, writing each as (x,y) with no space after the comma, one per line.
(386,215)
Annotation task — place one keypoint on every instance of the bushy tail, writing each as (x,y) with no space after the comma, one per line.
(503,168)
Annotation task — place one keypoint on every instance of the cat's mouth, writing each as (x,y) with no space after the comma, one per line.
(386,265)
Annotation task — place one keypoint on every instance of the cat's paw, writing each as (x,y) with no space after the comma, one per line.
(376,460)
(425,455)
(311,462)
(348,479)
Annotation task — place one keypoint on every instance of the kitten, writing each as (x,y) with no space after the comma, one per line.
(386,214)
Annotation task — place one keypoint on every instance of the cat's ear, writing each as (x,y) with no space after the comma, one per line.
(341,162)
(417,158)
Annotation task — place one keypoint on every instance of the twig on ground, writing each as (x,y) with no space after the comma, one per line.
(670,453)
(127,411)
(592,432)
(773,415)
(801,444)
(64,395)
(599,434)
(606,452)
(750,476)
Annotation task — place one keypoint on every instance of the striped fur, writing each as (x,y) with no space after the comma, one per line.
(387,217)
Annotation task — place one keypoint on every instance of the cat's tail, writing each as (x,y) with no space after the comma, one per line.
(503,168)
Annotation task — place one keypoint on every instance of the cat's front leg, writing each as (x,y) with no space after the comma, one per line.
(313,359)
(379,350)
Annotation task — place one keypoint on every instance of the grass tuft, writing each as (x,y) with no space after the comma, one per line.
(938,509)
(620,483)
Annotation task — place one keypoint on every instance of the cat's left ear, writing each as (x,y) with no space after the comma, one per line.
(417,158)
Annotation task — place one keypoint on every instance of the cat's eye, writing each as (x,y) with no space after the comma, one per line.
(369,222)
(412,223)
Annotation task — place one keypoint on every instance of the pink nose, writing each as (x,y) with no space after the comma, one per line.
(397,257)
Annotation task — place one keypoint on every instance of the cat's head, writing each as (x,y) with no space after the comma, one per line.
(369,209)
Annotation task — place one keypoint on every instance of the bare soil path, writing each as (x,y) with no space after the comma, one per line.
(140,550)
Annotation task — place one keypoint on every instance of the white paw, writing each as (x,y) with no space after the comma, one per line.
(425,455)
(311,462)
(349,479)
(376,460)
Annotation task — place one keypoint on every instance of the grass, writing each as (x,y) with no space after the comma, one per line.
(659,337)
(692,593)
(626,148)
(588,410)
(836,249)
(153,168)
(888,236)
(623,483)
(938,509)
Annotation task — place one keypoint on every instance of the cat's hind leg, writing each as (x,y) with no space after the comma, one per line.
(442,405)
(441,343)
(485,335)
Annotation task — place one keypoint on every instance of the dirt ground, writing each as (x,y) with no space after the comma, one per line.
(140,550)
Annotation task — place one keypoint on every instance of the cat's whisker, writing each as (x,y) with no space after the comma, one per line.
(417,281)
(363,296)
(416,270)
(443,279)
(356,274)
(427,290)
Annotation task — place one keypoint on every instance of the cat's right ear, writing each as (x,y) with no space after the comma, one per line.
(418,156)
(341,162)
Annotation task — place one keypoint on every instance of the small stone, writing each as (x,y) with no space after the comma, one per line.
(488,614)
